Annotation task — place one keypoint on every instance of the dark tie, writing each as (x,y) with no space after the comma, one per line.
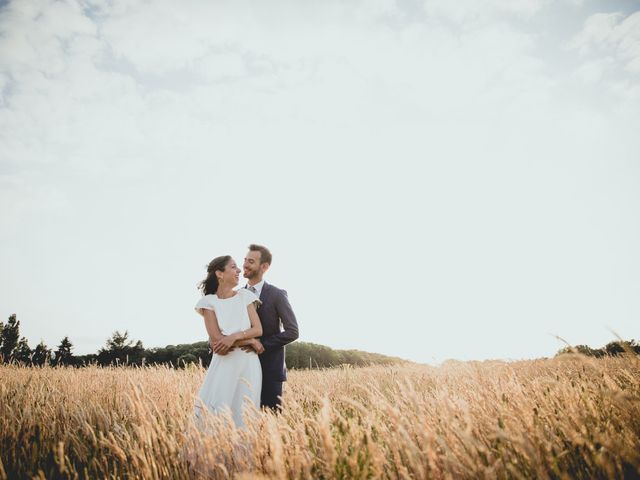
(252,289)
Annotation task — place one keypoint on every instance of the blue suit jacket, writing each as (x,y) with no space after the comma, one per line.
(275,311)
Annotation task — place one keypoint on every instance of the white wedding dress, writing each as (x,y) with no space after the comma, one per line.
(233,379)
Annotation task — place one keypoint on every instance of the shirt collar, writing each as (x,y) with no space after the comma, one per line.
(258,286)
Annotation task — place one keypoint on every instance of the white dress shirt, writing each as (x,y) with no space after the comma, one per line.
(258,286)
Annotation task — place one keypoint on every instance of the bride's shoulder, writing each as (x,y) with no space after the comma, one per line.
(206,302)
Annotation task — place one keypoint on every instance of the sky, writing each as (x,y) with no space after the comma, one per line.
(436,180)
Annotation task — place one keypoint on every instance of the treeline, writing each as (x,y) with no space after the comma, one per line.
(302,355)
(120,349)
(14,348)
(611,349)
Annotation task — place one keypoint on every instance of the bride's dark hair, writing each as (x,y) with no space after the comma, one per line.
(209,285)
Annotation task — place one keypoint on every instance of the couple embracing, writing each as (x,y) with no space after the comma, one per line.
(248,329)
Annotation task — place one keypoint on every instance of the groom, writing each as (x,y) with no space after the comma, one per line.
(279,325)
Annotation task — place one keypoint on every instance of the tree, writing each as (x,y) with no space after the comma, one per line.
(584,350)
(41,355)
(186,359)
(22,352)
(9,338)
(310,355)
(620,347)
(120,349)
(172,354)
(615,348)
(63,353)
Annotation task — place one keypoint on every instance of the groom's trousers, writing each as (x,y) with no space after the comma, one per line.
(271,394)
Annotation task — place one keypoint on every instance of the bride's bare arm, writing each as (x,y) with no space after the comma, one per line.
(251,333)
(211,323)
(221,345)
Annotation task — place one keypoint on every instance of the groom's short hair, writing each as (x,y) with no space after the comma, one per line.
(265,254)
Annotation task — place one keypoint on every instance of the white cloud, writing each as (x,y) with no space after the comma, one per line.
(597,30)
(611,34)
(593,71)
(429,142)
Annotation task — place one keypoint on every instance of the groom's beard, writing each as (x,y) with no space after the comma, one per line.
(251,275)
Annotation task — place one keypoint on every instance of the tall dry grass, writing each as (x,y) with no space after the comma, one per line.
(571,417)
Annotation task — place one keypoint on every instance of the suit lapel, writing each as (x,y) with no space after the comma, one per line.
(264,293)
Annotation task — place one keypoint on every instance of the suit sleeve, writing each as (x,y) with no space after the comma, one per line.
(289,323)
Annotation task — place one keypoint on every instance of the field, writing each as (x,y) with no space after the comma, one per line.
(569,417)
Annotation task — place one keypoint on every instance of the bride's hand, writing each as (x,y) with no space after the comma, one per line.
(222,346)
(257,346)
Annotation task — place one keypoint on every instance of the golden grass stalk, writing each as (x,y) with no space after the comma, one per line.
(569,417)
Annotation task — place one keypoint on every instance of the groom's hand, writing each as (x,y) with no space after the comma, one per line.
(223,346)
(254,346)
(259,348)
(212,343)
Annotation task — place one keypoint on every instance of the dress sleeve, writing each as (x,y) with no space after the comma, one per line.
(204,303)
(249,297)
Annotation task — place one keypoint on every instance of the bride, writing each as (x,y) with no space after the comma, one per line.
(231,320)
